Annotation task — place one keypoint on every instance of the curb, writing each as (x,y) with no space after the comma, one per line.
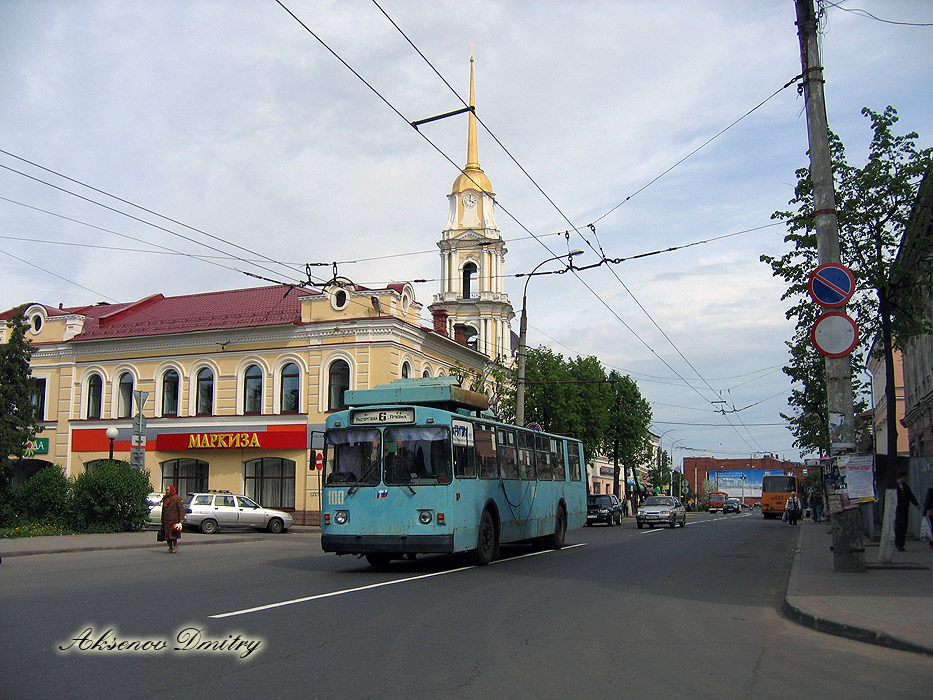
(104,548)
(860,634)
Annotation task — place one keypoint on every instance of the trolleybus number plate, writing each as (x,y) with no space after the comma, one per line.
(397,415)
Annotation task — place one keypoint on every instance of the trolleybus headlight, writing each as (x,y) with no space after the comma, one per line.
(341,517)
(425,517)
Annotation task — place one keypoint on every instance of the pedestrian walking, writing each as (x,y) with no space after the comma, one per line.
(904,498)
(816,504)
(173,515)
(792,508)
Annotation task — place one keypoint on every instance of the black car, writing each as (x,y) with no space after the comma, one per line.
(733,505)
(605,508)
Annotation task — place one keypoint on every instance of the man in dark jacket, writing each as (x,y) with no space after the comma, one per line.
(904,498)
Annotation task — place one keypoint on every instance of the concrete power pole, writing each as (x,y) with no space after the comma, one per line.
(848,548)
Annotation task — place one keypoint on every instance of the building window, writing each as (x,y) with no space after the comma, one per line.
(291,388)
(170,393)
(252,390)
(125,397)
(469,272)
(271,482)
(94,393)
(205,393)
(338,381)
(37,396)
(426,374)
(406,370)
(188,476)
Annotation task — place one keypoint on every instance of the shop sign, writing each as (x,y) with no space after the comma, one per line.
(219,441)
(36,446)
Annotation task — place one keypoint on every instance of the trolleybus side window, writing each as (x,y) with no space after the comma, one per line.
(526,454)
(543,458)
(508,456)
(573,458)
(484,437)
(353,456)
(464,450)
(558,466)
(417,455)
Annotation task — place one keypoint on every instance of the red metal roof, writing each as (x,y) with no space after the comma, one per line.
(159,315)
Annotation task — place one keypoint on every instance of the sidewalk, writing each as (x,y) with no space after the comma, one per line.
(146,539)
(891,606)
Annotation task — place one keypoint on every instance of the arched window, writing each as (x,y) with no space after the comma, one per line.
(205,393)
(94,393)
(271,482)
(469,271)
(426,373)
(291,388)
(338,381)
(252,390)
(406,370)
(125,397)
(187,475)
(170,393)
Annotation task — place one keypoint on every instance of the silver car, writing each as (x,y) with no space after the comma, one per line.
(661,510)
(210,511)
(155,508)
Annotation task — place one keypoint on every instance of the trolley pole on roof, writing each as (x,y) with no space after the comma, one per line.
(848,549)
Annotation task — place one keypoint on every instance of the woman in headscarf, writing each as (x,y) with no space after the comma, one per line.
(173,515)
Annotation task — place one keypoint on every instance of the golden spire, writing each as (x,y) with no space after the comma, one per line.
(472,177)
(472,154)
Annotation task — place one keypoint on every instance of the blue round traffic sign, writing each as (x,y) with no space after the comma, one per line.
(831,285)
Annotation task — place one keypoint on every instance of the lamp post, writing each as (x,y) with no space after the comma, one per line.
(522,335)
(672,463)
(112,434)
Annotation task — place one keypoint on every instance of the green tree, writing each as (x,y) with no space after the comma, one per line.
(627,436)
(18,417)
(873,206)
(567,397)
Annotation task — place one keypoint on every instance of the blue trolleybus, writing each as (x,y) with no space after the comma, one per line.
(419,466)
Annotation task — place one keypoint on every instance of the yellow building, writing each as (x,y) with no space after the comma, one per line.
(236,385)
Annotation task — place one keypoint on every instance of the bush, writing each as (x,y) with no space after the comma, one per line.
(111,498)
(43,498)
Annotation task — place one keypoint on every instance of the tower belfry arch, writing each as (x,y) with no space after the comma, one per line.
(471,303)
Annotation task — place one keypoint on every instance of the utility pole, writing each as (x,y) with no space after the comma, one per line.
(848,548)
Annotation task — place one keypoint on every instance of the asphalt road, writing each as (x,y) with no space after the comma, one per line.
(620,612)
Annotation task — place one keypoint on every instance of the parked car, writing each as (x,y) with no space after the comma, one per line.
(604,508)
(155,508)
(661,510)
(210,511)
(732,505)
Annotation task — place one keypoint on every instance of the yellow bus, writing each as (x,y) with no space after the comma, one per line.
(775,490)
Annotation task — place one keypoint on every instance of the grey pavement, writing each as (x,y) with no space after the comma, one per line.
(887,605)
(891,606)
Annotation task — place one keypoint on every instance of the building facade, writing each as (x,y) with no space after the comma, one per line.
(737,477)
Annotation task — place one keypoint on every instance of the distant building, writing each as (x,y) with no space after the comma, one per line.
(727,474)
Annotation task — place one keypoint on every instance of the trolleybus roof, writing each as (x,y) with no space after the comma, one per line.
(429,390)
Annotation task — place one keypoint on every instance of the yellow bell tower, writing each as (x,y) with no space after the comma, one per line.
(471,305)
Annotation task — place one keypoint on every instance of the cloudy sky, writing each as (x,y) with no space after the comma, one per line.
(259,137)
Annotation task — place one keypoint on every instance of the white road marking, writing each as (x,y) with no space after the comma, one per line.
(345,591)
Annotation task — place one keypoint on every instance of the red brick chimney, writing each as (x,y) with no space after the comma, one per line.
(440,321)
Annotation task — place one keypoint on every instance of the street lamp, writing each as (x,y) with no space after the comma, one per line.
(522,335)
(112,434)
(673,468)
